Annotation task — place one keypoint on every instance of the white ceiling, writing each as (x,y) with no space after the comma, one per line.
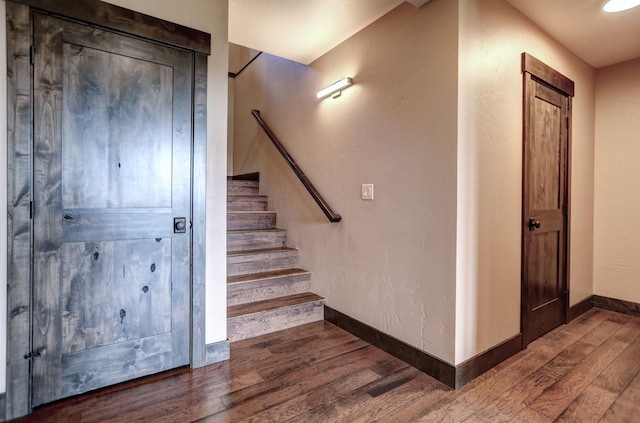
(598,38)
(303,30)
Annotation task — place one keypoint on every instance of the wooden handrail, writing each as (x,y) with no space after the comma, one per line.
(324,206)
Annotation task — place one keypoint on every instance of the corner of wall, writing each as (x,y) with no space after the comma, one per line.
(492,36)
(616,267)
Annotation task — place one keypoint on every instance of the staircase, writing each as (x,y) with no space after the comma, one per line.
(266,291)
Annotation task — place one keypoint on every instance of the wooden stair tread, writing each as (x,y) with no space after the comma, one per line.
(247,196)
(243,203)
(264,305)
(249,231)
(250,239)
(242,182)
(260,251)
(251,212)
(250,219)
(274,274)
(242,187)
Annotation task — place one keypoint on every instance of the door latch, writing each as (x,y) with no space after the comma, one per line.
(533,224)
(179,225)
(32,355)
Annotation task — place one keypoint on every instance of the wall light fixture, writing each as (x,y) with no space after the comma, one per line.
(619,5)
(335,90)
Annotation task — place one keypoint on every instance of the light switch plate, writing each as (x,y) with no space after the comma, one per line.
(367,191)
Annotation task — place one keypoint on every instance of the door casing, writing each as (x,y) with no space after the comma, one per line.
(19,170)
(540,72)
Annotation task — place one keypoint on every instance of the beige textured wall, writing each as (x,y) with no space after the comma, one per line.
(617,203)
(492,37)
(209,16)
(239,57)
(391,262)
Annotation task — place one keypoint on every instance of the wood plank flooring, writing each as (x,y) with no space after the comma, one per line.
(587,371)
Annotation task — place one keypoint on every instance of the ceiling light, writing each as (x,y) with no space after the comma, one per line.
(335,90)
(619,5)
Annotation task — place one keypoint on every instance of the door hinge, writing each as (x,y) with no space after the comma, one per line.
(567,122)
(32,54)
(32,355)
(565,209)
(30,209)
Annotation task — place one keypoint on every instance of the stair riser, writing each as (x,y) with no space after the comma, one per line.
(246,203)
(242,188)
(237,221)
(244,327)
(247,292)
(243,265)
(255,240)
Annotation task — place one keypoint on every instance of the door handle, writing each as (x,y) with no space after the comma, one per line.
(179,225)
(533,224)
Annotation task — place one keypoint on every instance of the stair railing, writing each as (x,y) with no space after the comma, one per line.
(324,206)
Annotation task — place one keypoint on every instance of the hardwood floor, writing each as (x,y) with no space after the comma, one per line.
(587,371)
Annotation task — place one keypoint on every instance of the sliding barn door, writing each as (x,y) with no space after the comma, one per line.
(111,213)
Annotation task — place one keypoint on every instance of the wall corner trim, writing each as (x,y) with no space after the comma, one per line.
(452,376)
(216,352)
(475,366)
(580,308)
(422,361)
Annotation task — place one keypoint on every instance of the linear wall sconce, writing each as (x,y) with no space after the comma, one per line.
(335,90)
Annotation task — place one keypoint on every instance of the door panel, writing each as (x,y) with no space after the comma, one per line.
(545,152)
(114,291)
(544,208)
(85,370)
(543,274)
(122,102)
(112,169)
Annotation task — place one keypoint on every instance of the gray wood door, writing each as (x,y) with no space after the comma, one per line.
(545,203)
(112,170)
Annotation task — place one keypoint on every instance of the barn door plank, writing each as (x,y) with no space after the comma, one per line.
(18,208)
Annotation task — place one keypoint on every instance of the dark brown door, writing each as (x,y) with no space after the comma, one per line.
(111,173)
(545,203)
